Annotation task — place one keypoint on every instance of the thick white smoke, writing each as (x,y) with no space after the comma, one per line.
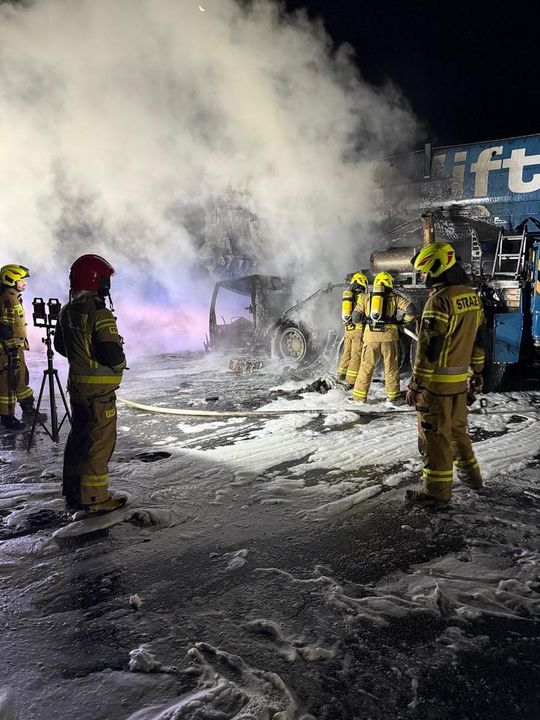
(118,120)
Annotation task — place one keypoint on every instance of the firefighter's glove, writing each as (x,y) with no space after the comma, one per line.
(475,383)
(412,398)
(14,360)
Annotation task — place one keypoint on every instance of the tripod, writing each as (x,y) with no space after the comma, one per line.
(50,375)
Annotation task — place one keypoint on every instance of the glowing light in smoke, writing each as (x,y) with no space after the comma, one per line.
(153,328)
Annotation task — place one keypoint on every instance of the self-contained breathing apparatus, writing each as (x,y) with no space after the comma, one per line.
(381,312)
(358,283)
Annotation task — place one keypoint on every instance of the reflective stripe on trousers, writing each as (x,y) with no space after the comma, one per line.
(442,438)
(371,353)
(22,390)
(349,361)
(7,395)
(89,448)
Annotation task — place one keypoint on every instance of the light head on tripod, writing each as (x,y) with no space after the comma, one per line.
(45,314)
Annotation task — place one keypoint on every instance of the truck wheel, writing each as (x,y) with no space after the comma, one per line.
(292,343)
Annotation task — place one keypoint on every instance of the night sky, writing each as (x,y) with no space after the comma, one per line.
(470,70)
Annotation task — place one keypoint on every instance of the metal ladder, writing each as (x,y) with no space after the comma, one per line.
(509,255)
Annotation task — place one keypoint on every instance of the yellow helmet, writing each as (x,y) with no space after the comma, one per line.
(359,279)
(11,274)
(383,278)
(434,259)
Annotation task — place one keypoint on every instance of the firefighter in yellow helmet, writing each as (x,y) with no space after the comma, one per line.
(87,335)
(349,362)
(448,367)
(14,376)
(381,311)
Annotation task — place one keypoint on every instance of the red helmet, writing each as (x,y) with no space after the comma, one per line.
(91,273)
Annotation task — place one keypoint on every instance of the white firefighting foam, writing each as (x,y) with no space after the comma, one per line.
(242,563)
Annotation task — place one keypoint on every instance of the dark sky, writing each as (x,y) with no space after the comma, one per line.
(470,69)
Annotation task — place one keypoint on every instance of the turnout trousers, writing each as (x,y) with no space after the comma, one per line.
(443,441)
(24,393)
(7,394)
(372,352)
(14,385)
(89,448)
(349,362)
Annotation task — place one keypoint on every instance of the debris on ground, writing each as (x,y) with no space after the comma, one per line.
(245,364)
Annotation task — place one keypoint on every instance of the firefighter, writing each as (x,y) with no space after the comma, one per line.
(448,368)
(349,361)
(381,312)
(88,336)
(14,376)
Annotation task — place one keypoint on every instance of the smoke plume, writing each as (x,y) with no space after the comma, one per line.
(122,121)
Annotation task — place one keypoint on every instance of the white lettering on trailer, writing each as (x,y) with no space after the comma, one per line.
(489,161)
(515,164)
(483,166)
(458,171)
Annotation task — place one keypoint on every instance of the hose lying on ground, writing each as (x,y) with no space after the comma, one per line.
(185,412)
(223,413)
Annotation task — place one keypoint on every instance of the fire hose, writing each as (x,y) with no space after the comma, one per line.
(189,412)
(185,412)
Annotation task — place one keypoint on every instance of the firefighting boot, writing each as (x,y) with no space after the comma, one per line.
(108,505)
(421,498)
(72,504)
(471,480)
(10,422)
(28,410)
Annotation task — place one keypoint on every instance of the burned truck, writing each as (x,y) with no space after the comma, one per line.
(256,314)
(483,198)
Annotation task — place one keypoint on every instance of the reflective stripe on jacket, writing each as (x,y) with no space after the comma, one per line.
(12,318)
(450,346)
(84,323)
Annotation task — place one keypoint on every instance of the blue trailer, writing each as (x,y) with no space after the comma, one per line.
(484,198)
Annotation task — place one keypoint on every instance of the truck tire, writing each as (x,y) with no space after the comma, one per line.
(292,342)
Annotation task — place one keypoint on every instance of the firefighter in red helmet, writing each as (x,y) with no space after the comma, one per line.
(88,336)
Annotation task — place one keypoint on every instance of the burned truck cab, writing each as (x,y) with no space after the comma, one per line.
(243,309)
